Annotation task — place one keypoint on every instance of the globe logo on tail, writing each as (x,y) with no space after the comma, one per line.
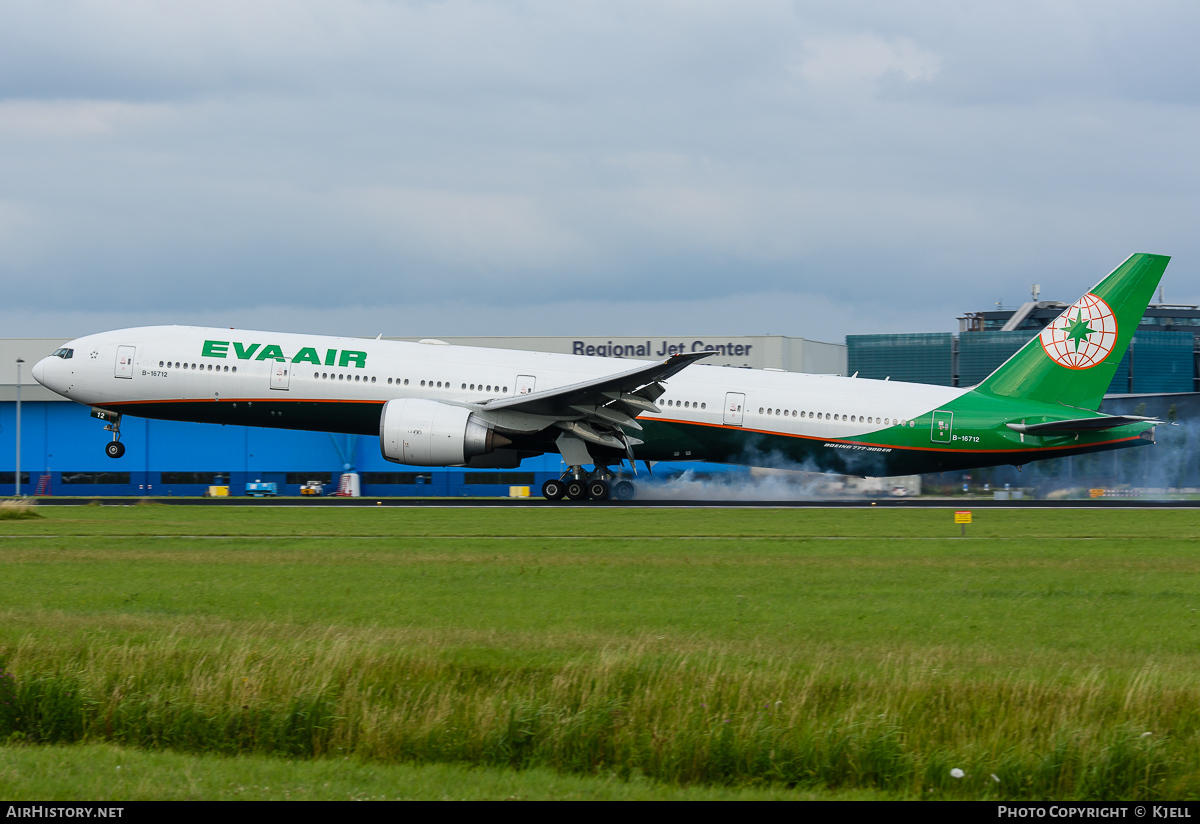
(1083,335)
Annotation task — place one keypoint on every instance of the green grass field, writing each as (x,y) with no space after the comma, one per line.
(618,652)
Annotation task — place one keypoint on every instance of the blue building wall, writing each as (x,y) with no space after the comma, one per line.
(62,439)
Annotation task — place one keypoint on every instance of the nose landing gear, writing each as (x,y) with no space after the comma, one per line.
(114,448)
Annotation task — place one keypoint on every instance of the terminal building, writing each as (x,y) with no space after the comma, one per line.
(1163,357)
(62,446)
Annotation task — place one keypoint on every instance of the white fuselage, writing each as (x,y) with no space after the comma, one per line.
(170,364)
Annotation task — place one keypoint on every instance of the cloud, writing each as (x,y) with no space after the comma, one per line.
(482,230)
(533,166)
(74,118)
(841,63)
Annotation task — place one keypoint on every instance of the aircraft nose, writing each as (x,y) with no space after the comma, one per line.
(39,371)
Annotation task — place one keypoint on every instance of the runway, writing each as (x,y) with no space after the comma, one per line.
(467,503)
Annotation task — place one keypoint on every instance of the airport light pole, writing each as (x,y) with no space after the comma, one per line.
(17,474)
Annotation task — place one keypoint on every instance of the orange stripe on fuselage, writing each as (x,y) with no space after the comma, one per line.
(888,445)
(729,427)
(242,400)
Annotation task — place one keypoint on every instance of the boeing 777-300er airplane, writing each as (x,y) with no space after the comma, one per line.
(432,404)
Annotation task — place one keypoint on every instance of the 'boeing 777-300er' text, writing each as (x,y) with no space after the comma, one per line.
(433,404)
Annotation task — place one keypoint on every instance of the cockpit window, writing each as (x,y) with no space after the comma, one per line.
(65,354)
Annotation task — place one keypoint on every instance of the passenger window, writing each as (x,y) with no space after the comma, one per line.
(234,369)
(406,381)
(704,406)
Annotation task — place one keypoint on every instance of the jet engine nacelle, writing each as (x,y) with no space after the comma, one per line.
(421,432)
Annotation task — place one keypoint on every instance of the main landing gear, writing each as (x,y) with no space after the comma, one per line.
(577,485)
(114,448)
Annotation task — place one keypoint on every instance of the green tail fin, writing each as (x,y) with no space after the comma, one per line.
(1073,360)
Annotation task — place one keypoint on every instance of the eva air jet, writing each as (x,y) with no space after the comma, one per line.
(432,404)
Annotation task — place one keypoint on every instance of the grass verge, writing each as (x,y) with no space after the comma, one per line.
(760,654)
(17,510)
(103,772)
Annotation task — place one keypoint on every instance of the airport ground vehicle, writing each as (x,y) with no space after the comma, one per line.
(259,489)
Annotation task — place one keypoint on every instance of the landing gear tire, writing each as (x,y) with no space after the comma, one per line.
(114,449)
(553,490)
(599,490)
(577,490)
(624,490)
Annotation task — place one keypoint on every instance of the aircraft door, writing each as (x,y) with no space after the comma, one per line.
(943,425)
(526,384)
(124,365)
(735,404)
(279,375)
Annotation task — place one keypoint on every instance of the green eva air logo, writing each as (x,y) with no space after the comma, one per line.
(271,351)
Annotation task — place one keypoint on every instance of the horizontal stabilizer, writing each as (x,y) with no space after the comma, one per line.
(1079,424)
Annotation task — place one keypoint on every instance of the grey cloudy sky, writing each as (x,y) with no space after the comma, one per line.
(657,166)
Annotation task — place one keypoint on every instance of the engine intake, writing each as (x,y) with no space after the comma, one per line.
(421,432)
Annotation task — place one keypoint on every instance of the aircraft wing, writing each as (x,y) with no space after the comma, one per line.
(599,411)
(1079,424)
